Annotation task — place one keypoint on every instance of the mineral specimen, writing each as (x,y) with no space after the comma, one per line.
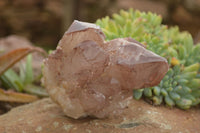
(88,76)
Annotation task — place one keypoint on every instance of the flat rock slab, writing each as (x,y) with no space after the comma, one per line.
(44,116)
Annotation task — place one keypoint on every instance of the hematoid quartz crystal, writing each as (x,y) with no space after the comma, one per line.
(88,76)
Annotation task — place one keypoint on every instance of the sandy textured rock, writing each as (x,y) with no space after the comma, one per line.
(88,76)
(45,116)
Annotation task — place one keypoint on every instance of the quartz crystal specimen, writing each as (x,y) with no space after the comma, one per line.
(88,76)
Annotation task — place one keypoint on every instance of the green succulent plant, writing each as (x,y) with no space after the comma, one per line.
(181,85)
(24,81)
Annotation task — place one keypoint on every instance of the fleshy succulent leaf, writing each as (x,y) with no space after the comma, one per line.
(181,85)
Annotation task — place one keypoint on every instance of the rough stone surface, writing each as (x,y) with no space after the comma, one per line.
(44,116)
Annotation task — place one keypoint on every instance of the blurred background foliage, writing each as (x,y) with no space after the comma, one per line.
(44,21)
